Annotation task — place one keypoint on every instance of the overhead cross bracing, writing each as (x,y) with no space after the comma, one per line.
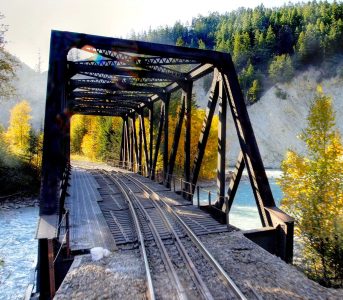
(121,82)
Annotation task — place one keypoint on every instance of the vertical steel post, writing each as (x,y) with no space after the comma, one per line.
(134,135)
(206,126)
(51,268)
(151,131)
(121,157)
(158,143)
(221,145)
(140,147)
(187,145)
(68,234)
(175,145)
(131,145)
(165,134)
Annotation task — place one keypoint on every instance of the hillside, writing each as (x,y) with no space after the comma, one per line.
(31,86)
(277,122)
(267,45)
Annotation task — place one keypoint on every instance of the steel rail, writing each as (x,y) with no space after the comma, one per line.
(226,278)
(181,294)
(202,287)
(151,293)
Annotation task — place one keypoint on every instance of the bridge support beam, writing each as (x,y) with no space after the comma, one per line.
(122,144)
(221,145)
(142,125)
(187,147)
(158,143)
(176,139)
(140,148)
(135,142)
(206,126)
(233,183)
(165,134)
(247,140)
(151,133)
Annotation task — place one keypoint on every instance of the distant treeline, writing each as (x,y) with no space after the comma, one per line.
(267,44)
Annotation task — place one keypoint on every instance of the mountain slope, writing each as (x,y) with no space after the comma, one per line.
(277,122)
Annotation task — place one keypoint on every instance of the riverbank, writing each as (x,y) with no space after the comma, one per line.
(15,202)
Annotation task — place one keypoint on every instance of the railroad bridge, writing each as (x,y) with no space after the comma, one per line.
(130,79)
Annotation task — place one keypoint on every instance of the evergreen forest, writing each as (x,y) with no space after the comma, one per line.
(267,45)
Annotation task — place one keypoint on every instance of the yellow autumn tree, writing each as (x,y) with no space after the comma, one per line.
(89,143)
(313,193)
(18,133)
(210,157)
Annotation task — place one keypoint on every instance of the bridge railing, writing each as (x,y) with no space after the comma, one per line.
(176,183)
(281,231)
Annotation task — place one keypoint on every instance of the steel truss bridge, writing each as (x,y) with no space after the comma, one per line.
(129,79)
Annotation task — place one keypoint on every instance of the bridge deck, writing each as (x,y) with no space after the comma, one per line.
(88,227)
(99,215)
(253,269)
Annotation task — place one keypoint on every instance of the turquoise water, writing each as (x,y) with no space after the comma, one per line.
(18,250)
(244,214)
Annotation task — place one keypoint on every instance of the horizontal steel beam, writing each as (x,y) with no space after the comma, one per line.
(91,104)
(114,86)
(76,68)
(81,40)
(90,95)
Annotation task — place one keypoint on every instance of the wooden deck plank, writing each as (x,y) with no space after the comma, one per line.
(88,226)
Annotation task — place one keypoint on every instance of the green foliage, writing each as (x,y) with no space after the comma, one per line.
(7,66)
(307,33)
(17,174)
(281,68)
(281,94)
(254,91)
(313,193)
(98,138)
(180,42)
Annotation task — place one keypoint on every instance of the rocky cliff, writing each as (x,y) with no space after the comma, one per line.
(280,115)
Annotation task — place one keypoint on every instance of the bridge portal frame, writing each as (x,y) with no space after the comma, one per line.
(126,78)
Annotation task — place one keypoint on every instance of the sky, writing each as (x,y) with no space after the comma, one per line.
(31,21)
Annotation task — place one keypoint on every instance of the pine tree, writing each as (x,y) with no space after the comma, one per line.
(281,68)
(313,193)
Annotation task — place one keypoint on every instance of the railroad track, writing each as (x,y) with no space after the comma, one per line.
(176,262)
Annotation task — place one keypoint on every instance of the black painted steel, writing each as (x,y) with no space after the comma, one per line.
(122,78)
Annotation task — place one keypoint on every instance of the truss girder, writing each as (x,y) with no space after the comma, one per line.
(123,78)
(114,86)
(78,68)
(91,95)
